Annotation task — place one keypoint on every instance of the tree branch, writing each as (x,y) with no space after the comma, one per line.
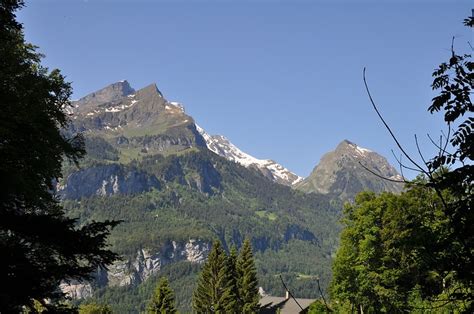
(390,130)
(380,176)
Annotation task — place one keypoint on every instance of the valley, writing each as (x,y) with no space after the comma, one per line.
(176,188)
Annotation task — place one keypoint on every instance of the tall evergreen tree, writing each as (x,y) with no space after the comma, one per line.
(235,303)
(40,246)
(214,291)
(247,279)
(163,300)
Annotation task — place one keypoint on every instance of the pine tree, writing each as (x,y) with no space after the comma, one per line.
(247,279)
(214,292)
(163,299)
(233,303)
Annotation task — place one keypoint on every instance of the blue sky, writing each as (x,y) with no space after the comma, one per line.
(280,79)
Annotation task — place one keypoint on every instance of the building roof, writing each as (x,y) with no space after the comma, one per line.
(270,304)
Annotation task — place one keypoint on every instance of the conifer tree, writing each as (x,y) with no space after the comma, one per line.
(163,300)
(247,279)
(234,303)
(214,293)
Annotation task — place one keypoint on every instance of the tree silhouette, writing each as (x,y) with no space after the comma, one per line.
(40,246)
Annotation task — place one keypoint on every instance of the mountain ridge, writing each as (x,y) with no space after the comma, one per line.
(149,165)
(222,146)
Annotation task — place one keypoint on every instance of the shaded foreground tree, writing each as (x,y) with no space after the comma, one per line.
(163,299)
(40,246)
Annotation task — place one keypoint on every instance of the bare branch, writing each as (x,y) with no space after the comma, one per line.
(447,138)
(399,161)
(441,144)
(380,176)
(452,46)
(401,168)
(419,150)
(434,143)
(390,130)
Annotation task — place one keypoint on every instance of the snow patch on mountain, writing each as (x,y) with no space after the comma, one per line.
(223,147)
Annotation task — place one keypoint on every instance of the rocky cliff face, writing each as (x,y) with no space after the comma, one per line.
(135,270)
(105,180)
(341,173)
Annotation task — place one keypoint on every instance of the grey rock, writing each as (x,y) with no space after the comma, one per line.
(107,180)
(341,173)
(137,269)
(109,94)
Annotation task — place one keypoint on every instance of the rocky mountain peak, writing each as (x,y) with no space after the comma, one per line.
(149,91)
(347,146)
(110,93)
(343,172)
(142,122)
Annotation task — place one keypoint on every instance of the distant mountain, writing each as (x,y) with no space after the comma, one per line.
(341,173)
(177,189)
(269,168)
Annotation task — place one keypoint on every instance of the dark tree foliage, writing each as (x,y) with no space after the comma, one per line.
(163,299)
(455,80)
(233,275)
(40,246)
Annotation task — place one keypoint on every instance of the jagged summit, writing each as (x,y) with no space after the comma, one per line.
(342,172)
(272,170)
(149,91)
(110,93)
(347,146)
(141,121)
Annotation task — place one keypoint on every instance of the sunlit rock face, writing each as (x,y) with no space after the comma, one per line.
(136,270)
(343,172)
